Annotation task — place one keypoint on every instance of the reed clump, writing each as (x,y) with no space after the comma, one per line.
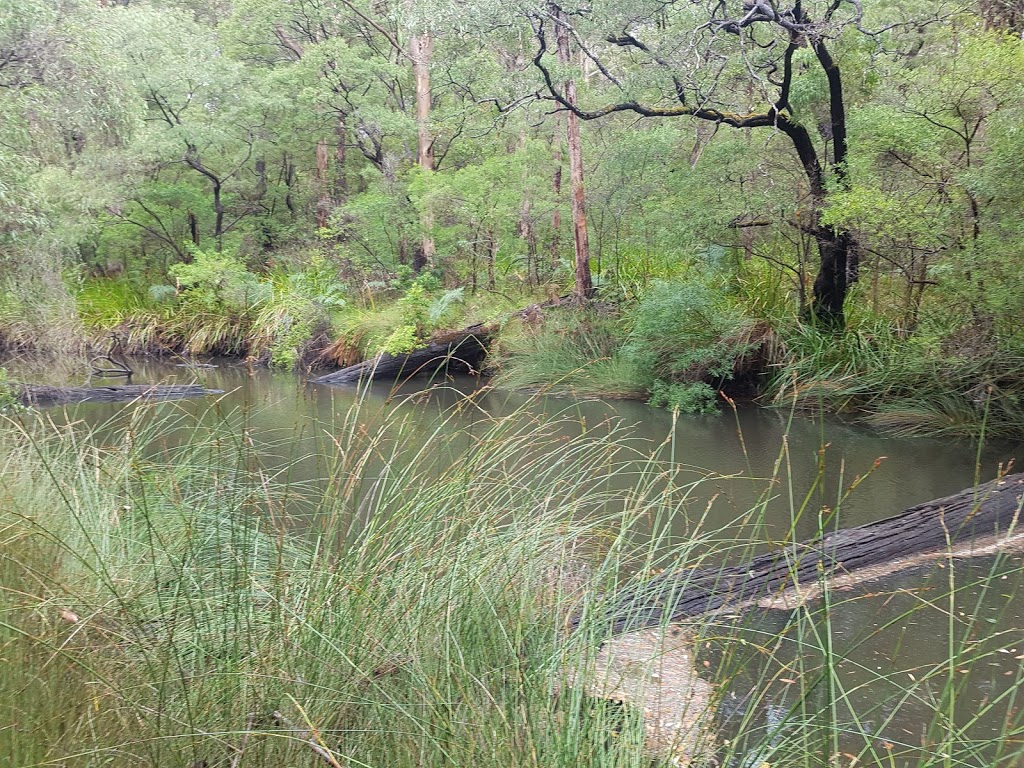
(918,386)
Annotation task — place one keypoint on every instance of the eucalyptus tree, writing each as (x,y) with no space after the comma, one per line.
(736,64)
(583,282)
(367,68)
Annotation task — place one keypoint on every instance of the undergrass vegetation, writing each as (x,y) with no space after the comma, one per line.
(679,346)
(564,351)
(218,307)
(297,317)
(916,386)
(167,597)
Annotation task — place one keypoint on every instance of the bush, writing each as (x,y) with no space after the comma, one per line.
(217,282)
(686,398)
(421,315)
(567,351)
(689,339)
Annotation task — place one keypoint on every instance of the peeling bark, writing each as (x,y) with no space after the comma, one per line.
(421,49)
(584,287)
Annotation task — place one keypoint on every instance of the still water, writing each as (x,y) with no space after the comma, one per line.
(891,639)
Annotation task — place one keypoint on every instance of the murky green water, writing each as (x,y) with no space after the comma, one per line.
(888,636)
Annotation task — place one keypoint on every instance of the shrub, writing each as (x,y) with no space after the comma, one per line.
(217,281)
(421,315)
(690,339)
(697,397)
(567,351)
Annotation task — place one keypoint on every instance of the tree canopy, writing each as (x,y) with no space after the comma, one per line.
(846,157)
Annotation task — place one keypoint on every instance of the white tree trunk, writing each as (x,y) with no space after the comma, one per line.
(421,49)
(584,287)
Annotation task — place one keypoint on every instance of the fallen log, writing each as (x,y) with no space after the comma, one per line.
(989,510)
(458,351)
(42,396)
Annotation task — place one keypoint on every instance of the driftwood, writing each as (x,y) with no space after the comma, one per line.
(456,352)
(988,510)
(459,351)
(116,368)
(42,396)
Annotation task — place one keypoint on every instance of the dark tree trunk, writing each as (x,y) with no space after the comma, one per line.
(289,181)
(44,396)
(832,282)
(555,246)
(459,351)
(193,230)
(492,254)
(193,160)
(988,510)
(419,259)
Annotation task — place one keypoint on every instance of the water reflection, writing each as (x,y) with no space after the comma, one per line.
(287,418)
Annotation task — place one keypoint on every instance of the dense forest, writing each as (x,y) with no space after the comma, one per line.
(816,203)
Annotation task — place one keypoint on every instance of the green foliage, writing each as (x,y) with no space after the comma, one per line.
(8,398)
(688,337)
(107,303)
(402,340)
(686,331)
(218,282)
(566,352)
(960,385)
(414,327)
(220,307)
(695,397)
(420,315)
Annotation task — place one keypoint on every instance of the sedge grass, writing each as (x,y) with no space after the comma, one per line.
(568,353)
(159,607)
(904,387)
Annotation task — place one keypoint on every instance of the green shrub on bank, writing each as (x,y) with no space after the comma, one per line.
(218,307)
(907,386)
(694,397)
(688,337)
(218,282)
(566,351)
(37,313)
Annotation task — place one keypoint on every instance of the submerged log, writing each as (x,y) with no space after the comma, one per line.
(459,352)
(989,510)
(43,396)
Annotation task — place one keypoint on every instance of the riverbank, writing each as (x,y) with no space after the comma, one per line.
(688,343)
